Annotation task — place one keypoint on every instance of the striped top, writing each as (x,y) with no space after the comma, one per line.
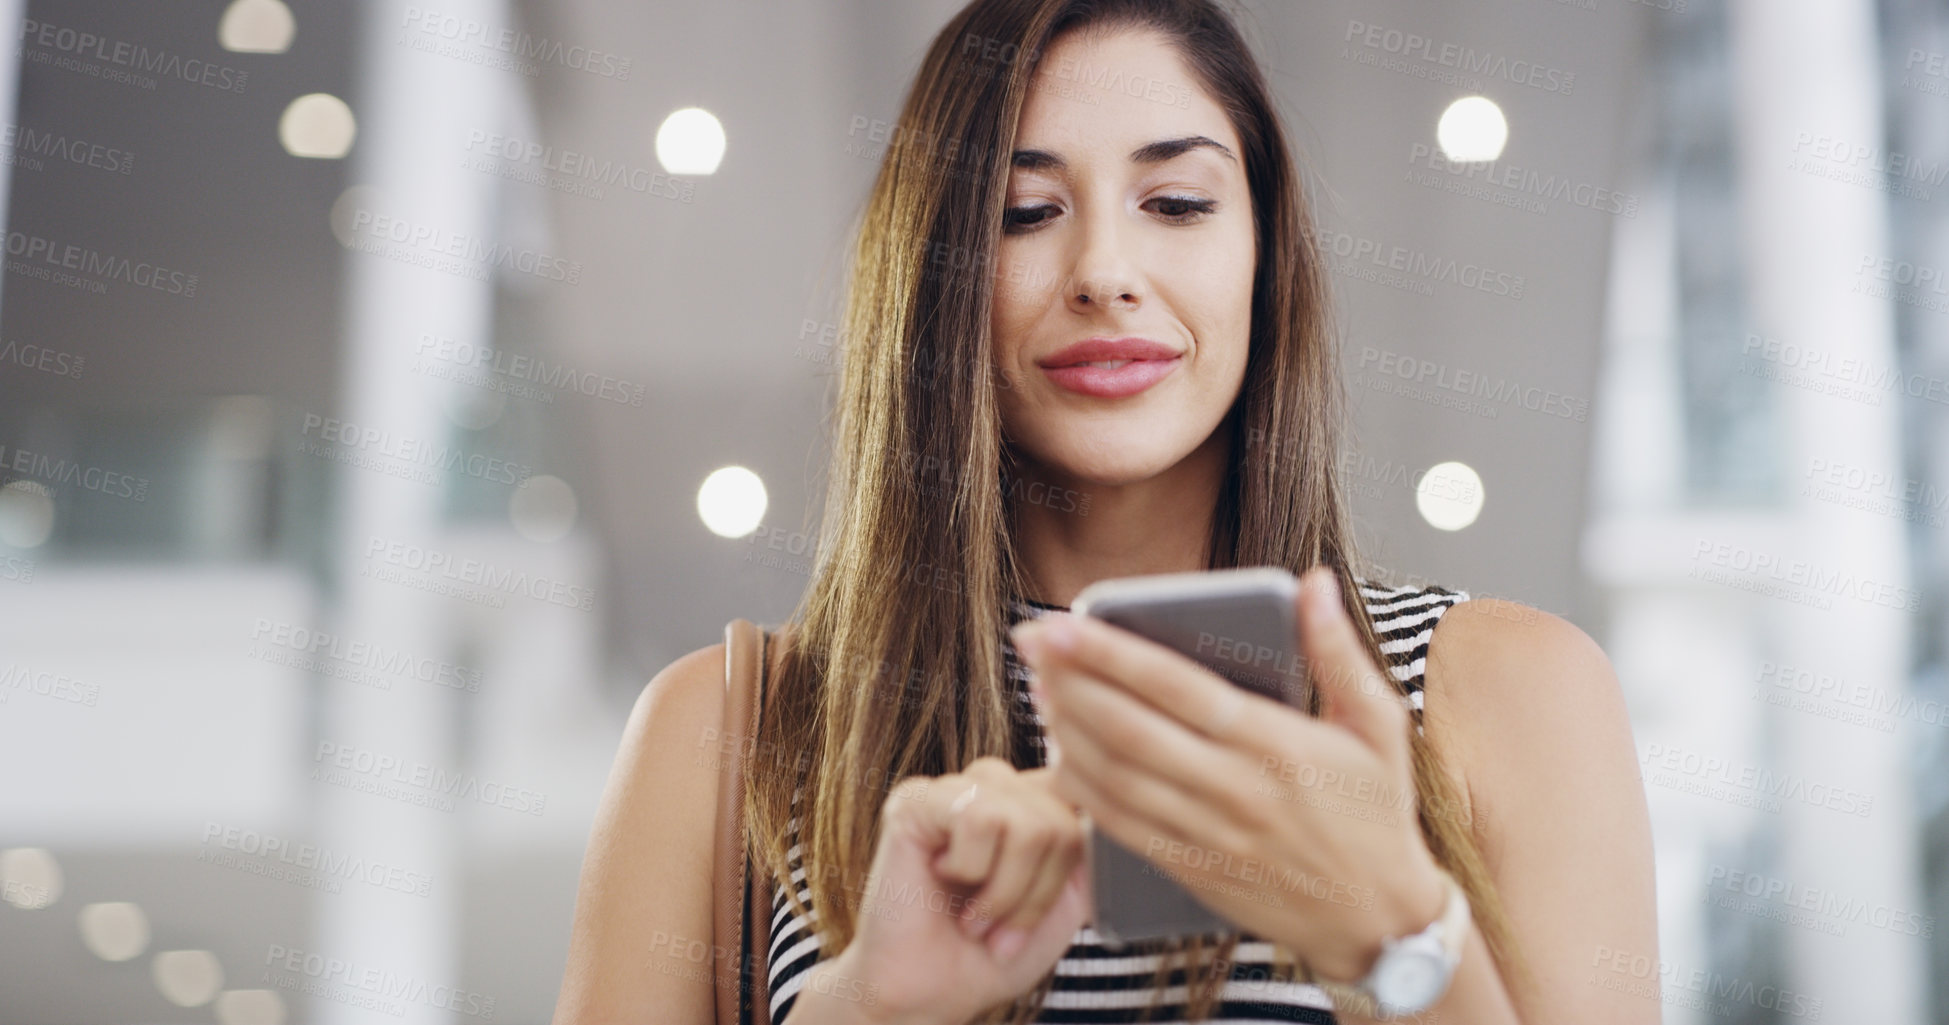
(1096,984)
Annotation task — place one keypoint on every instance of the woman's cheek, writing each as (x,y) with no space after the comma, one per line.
(1023,283)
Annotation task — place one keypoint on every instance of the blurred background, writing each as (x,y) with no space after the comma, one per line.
(388,390)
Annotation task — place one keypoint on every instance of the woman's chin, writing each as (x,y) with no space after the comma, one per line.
(1109,451)
(1114,468)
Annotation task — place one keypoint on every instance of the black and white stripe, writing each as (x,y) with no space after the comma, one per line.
(1096,984)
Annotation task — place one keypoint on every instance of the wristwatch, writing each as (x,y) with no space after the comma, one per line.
(1412,971)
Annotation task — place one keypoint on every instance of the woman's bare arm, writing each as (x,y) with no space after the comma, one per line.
(643,908)
(1525,709)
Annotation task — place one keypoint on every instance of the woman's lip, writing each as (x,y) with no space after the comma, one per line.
(1096,350)
(1112,382)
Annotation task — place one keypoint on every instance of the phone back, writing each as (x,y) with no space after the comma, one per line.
(1243,632)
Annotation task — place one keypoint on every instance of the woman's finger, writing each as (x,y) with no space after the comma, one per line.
(1060,847)
(1162,677)
(973,822)
(1202,704)
(1132,740)
(1027,842)
(1141,782)
(1053,872)
(1118,820)
(1357,696)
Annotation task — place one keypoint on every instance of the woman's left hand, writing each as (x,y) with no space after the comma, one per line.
(1300,830)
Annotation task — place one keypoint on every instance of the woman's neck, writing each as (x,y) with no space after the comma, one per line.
(1158,525)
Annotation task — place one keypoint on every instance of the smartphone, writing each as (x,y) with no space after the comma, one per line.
(1239,624)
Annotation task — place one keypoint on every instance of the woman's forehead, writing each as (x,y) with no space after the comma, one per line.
(1096,97)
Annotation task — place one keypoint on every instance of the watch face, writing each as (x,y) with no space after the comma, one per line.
(1410,980)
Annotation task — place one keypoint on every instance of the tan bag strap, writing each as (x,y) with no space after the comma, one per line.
(739,976)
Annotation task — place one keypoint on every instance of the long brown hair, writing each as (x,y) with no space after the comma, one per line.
(894,665)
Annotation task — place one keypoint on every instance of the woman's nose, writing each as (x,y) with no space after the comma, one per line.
(1100,292)
(1104,273)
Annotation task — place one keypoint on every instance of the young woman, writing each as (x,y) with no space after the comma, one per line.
(1087,337)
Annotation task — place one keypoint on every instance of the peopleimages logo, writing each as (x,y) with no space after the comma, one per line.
(43,359)
(1474,384)
(54,470)
(1853,694)
(1695,988)
(515,368)
(48,684)
(77,46)
(16,570)
(376,772)
(310,863)
(1802,579)
(37,255)
(517,44)
(436,248)
(581,167)
(1744,783)
(414,451)
(327,649)
(1415,267)
(1380,39)
(1793,895)
(486,576)
(1522,182)
(22,144)
(367,986)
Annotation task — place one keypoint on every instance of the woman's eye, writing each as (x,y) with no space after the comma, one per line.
(1024,218)
(1184,209)
(1174,209)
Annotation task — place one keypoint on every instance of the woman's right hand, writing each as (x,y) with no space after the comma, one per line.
(977,887)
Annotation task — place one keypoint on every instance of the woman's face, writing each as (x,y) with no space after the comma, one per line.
(1124,222)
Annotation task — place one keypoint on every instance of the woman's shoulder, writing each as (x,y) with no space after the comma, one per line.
(1524,709)
(1498,668)
(667,742)
(655,823)
(1497,649)
(1482,631)
(1485,624)
(691,688)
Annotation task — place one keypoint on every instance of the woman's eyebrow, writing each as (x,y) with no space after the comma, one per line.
(1149,153)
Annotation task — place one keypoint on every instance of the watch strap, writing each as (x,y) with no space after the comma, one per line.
(1451,929)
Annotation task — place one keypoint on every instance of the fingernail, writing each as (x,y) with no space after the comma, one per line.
(1006,942)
